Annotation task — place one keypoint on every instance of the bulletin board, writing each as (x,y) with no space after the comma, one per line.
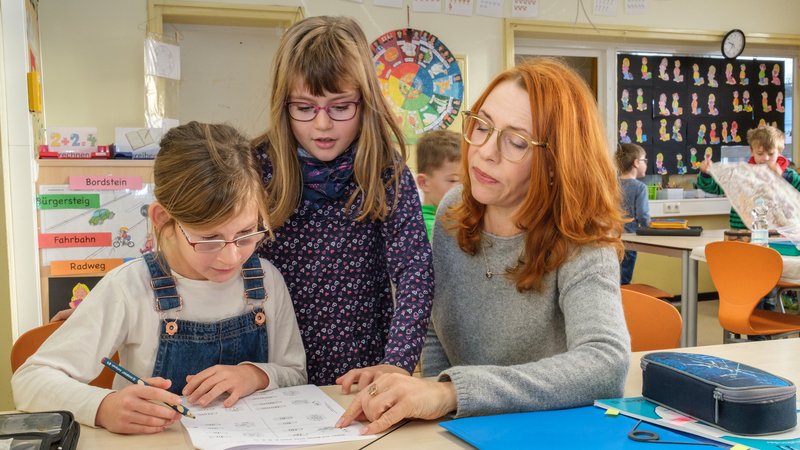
(684,109)
(118,212)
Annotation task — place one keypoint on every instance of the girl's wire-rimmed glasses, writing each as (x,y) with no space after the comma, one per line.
(339,111)
(215,245)
(513,145)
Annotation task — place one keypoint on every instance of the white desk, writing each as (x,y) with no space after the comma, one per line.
(778,357)
(679,247)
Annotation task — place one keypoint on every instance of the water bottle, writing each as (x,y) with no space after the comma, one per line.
(760,228)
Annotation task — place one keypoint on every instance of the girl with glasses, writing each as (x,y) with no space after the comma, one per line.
(527,313)
(201,317)
(349,236)
(632,164)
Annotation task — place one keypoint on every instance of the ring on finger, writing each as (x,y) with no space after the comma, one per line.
(372,390)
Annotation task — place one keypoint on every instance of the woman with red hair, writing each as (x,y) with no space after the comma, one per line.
(527,313)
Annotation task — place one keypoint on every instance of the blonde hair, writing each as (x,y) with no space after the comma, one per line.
(331,54)
(564,207)
(205,174)
(766,137)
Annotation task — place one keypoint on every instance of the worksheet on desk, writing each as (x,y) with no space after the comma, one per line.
(298,415)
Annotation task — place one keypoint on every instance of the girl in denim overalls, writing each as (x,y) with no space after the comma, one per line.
(202,317)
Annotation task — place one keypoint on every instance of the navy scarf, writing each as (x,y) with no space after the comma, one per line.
(326,181)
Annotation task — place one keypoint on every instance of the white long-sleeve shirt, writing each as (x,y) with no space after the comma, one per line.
(119,315)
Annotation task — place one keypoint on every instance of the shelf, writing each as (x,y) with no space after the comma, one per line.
(95,162)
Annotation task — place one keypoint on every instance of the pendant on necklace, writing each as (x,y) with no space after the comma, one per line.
(489,274)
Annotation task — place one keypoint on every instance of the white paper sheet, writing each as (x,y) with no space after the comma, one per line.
(299,415)
(525,8)
(426,5)
(162,59)
(459,7)
(605,8)
(490,8)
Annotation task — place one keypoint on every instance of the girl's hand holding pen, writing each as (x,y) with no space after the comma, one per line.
(236,381)
(131,410)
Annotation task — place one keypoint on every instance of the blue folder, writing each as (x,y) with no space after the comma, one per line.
(577,428)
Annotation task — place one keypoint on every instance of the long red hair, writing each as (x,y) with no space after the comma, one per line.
(573,198)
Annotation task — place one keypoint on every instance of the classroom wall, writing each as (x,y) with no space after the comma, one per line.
(101,84)
(6,401)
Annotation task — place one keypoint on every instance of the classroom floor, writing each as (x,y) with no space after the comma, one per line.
(708,330)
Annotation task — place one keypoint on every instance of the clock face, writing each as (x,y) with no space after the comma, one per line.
(733,44)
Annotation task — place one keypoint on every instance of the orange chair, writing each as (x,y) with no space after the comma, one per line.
(652,323)
(30,341)
(743,274)
(646,289)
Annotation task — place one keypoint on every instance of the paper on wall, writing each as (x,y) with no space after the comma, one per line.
(123,213)
(162,59)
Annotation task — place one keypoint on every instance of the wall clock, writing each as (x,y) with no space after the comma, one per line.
(733,44)
(420,78)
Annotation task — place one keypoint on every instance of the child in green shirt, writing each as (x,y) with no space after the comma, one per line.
(766,145)
(438,170)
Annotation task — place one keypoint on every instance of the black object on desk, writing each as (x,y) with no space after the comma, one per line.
(46,430)
(690,231)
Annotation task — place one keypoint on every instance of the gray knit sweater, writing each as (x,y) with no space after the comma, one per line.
(507,351)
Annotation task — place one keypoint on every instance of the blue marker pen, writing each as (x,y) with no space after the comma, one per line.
(124,373)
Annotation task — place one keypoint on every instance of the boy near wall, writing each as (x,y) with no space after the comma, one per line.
(438,170)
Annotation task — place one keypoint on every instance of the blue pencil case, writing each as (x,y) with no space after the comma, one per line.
(726,394)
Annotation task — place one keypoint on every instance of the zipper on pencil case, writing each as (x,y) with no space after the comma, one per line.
(763,395)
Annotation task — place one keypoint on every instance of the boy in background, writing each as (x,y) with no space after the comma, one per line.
(766,145)
(632,164)
(438,170)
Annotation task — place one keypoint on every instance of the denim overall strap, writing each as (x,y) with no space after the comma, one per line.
(253,277)
(163,284)
(197,346)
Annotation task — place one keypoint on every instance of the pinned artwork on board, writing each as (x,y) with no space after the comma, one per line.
(688,105)
(68,292)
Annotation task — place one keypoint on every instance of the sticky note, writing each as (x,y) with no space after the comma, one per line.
(67,201)
(740,447)
(612,412)
(104,183)
(83,266)
(65,240)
